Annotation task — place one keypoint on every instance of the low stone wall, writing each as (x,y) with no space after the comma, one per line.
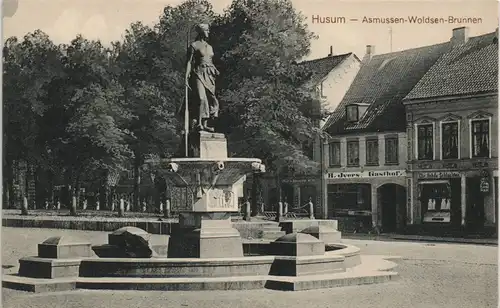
(110,224)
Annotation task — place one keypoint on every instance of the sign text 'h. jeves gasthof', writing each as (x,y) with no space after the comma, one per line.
(366,174)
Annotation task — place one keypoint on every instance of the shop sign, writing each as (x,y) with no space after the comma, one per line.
(366,174)
(480,164)
(298,180)
(450,166)
(424,166)
(439,175)
(484,185)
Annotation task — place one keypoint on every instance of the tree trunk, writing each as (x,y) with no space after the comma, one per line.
(9,185)
(24,205)
(72,209)
(31,186)
(137,181)
(74,196)
(24,194)
(12,192)
(51,188)
(255,194)
(103,191)
(279,209)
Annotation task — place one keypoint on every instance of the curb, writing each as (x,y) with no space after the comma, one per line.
(416,238)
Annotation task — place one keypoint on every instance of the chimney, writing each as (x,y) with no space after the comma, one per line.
(460,36)
(331,51)
(370,51)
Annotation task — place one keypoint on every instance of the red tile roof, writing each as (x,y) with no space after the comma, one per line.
(382,83)
(469,68)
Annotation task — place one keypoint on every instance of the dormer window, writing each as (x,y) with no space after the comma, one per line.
(352,113)
(355,112)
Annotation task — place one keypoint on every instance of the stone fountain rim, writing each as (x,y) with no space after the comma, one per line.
(204,160)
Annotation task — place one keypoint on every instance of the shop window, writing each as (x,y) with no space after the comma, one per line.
(449,142)
(334,154)
(391,150)
(435,196)
(372,152)
(480,138)
(425,140)
(353,153)
(349,197)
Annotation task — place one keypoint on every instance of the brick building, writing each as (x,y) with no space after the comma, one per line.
(364,183)
(452,118)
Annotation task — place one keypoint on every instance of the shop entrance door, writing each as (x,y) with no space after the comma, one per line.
(392,198)
(495,187)
(474,214)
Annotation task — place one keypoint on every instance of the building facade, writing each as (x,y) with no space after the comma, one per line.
(364,158)
(365,179)
(452,120)
(330,80)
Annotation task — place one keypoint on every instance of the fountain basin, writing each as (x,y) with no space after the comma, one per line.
(212,184)
(337,258)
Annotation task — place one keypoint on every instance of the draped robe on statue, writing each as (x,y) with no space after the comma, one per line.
(202,101)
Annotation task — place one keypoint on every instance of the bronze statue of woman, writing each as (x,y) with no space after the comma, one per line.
(200,80)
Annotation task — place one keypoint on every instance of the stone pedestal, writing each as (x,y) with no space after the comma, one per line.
(297,225)
(208,145)
(57,257)
(213,183)
(213,145)
(59,247)
(325,233)
(205,235)
(298,244)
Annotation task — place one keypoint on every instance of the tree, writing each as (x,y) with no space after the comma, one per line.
(174,26)
(152,92)
(30,66)
(150,64)
(267,111)
(93,114)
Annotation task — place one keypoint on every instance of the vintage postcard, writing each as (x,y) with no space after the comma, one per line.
(249,153)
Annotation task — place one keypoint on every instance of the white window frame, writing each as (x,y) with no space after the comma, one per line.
(330,152)
(398,139)
(347,152)
(441,138)
(433,139)
(489,135)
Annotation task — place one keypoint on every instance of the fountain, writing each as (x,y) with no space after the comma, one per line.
(205,252)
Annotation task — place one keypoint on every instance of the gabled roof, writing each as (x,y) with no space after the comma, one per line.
(320,68)
(382,82)
(470,68)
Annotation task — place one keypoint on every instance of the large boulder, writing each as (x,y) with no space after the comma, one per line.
(126,242)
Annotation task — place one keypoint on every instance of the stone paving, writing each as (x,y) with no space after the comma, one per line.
(431,275)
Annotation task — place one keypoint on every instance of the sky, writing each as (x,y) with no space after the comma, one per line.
(107,20)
